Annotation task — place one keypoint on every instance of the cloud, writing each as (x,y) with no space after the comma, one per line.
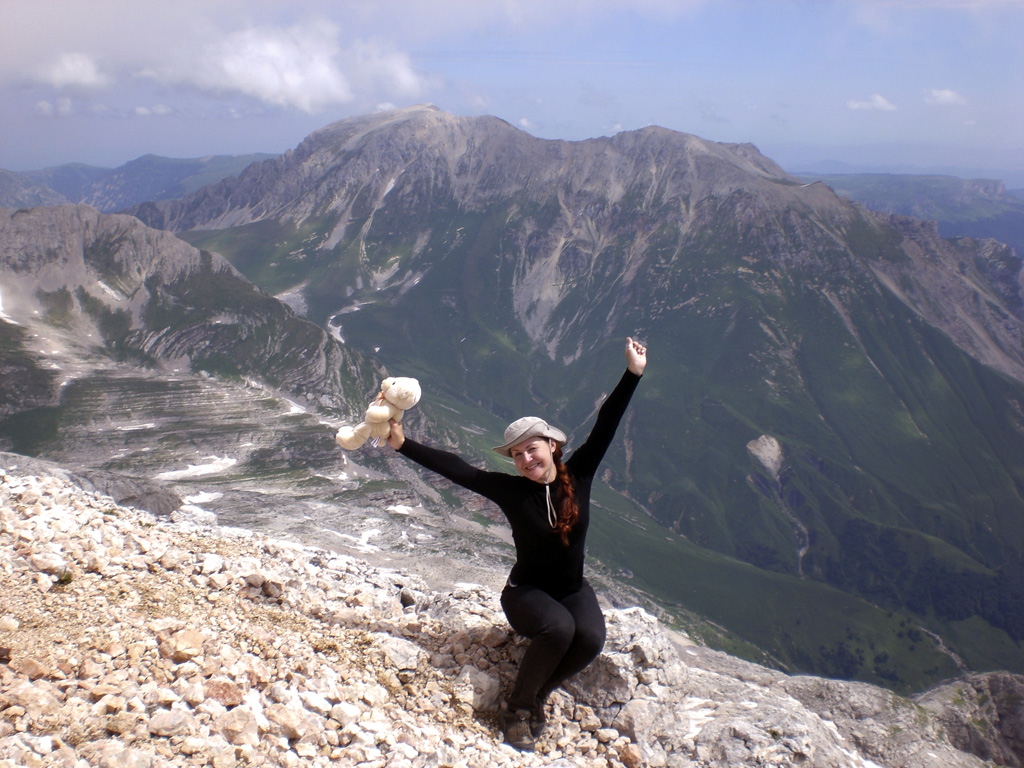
(374,65)
(877,102)
(158,109)
(73,69)
(301,67)
(291,67)
(944,97)
(61,108)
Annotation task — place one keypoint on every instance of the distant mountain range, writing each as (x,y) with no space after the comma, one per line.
(962,207)
(112,189)
(826,456)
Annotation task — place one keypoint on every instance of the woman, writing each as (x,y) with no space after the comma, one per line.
(546,597)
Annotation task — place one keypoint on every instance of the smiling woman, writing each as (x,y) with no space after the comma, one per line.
(546,598)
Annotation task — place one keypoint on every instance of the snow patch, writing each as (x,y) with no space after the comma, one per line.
(768,451)
(137,427)
(360,544)
(109,291)
(216,465)
(203,497)
(4,316)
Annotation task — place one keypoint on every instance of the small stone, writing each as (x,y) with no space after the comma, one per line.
(121,723)
(238,726)
(272,587)
(182,646)
(631,756)
(31,668)
(226,692)
(212,563)
(291,724)
(170,722)
(48,562)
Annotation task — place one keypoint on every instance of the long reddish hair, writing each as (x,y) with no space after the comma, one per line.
(569,510)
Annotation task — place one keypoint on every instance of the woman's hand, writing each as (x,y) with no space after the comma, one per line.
(397,436)
(636,356)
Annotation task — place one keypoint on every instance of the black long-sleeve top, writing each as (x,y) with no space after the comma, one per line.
(541,558)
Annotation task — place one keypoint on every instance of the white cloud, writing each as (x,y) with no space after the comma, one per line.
(377,66)
(944,97)
(877,102)
(157,109)
(60,108)
(301,67)
(73,69)
(293,67)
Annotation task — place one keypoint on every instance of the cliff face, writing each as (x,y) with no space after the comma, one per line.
(92,281)
(589,218)
(128,639)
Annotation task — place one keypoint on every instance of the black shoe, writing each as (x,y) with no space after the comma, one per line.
(516,727)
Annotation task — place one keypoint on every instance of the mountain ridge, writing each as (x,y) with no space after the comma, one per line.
(976,208)
(149,177)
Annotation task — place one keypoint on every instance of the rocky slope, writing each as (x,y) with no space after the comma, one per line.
(18,191)
(91,281)
(131,640)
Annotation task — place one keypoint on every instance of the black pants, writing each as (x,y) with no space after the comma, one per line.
(565,636)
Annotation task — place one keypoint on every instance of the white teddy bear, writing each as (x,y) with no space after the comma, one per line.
(397,395)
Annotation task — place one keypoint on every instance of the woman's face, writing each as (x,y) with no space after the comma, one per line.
(533,459)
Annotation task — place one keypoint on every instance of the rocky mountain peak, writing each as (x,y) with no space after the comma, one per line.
(471,162)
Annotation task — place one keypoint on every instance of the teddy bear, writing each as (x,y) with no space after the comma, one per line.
(397,395)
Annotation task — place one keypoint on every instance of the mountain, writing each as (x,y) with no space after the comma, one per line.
(833,396)
(962,207)
(106,281)
(18,191)
(825,457)
(150,177)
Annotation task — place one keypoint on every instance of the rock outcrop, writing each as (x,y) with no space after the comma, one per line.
(127,640)
(80,278)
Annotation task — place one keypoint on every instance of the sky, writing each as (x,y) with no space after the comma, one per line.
(930,86)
